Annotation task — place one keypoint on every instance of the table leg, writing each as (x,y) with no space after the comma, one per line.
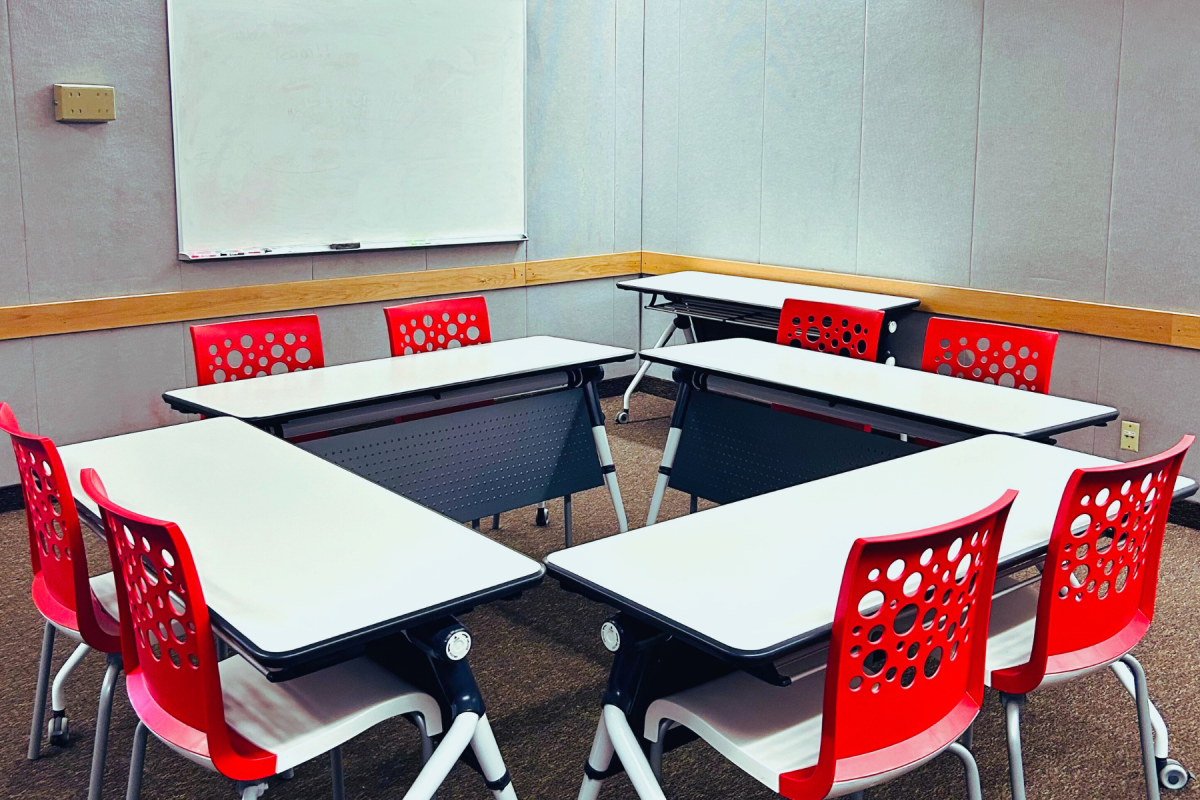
(668,458)
(609,471)
(567,518)
(623,416)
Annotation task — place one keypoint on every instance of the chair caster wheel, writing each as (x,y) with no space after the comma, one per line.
(1172,775)
(622,417)
(543,517)
(59,729)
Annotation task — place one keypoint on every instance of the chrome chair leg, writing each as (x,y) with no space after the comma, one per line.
(103,716)
(974,790)
(339,782)
(656,750)
(1012,722)
(1145,727)
(39,699)
(134,789)
(60,732)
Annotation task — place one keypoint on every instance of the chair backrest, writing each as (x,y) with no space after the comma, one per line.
(170,659)
(56,547)
(908,647)
(830,328)
(1101,576)
(438,325)
(252,348)
(1015,357)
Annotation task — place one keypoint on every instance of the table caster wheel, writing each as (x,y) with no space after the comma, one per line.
(622,417)
(59,729)
(1172,775)
(543,517)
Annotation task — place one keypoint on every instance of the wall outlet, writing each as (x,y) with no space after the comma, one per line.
(76,102)
(1131,434)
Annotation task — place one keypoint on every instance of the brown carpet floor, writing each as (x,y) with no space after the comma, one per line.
(542,670)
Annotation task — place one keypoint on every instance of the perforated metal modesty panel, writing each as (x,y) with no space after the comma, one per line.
(733,449)
(478,462)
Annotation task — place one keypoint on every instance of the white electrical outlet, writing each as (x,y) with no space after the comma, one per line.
(1131,434)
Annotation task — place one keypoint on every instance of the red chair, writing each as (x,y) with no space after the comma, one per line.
(225,715)
(1096,595)
(1019,358)
(83,608)
(902,682)
(252,348)
(438,325)
(831,328)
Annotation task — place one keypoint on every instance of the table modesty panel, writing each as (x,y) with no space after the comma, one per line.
(759,578)
(296,555)
(294,394)
(939,399)
(757,292)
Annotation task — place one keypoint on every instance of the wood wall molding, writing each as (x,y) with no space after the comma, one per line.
(106,313)
(1077,316)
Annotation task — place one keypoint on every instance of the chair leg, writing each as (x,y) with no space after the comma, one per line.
(974,790)
(656,750)
(1145,726)
(491,763)
(968,737)
(1162,747)
(134,790)
(858,795)
(60,732)
(454,742)
(39,698)
(426,742)
(103,716)
(1012,722)
(598,762)
(339,783)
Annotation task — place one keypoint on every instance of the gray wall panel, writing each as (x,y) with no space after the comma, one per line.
(14,278)
(660,128)
(813,119)
(18,389)
(630,67)
(722,51)
(1047,111)
(920,109)
(1154,244)
(569,135)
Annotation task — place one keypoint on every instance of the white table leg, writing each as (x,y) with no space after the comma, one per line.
(487,752)
(625,743)
(456,740)
(623,417)
(598,760)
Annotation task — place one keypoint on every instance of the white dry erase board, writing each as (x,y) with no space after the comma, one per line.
(314,125)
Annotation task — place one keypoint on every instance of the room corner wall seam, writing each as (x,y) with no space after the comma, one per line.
(20,172)
(862,126)
(978,114)
(762,141)
(1112,176)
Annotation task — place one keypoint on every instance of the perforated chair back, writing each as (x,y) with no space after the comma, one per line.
(252,348)
(60,573)
(1098,588)
(830,328)
(907,654)
(167,646)
(1010,356)
(438,325)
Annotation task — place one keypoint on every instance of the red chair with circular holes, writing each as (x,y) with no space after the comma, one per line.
(830,328)
(437,325)
(1015,357)
(225,715)
(252,348)
(83,608)
(1095,599)
(902,682)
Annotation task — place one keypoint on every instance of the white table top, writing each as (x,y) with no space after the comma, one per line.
(364,381)
(942,399)
(759,292)
(756,577)
(291,550)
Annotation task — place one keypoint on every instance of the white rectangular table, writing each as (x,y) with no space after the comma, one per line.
(706,304)
(481,429)
(727,443)
(752,583)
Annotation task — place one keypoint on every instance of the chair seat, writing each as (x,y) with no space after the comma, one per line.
(1010,637)
(104,603)
(303,718)
(765,730)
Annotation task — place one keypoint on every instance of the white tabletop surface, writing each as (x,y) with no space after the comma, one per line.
(753,575)
(301,392)
(759,292)
(977,406)
(290,549)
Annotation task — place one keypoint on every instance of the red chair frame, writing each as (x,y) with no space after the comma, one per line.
(1083,620)
(176,691)
(1007,355)
(259,347)
(831,328)
(437,325)
(885,708)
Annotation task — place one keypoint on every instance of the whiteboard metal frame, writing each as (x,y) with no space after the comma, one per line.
(306,249)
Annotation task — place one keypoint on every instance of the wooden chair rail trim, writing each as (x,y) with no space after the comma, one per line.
(1171,328)
(1175,329)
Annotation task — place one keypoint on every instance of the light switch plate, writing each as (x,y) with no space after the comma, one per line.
(1131,434)
(77,102)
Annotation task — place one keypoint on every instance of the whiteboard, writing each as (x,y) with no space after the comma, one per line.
(357,124)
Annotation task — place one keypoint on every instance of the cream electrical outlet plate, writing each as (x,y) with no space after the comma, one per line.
(1131,434)
(77,102)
